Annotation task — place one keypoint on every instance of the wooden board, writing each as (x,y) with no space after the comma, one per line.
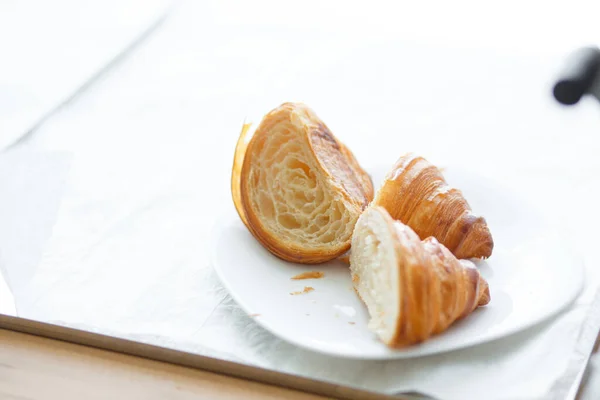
(152,353)
(37,368)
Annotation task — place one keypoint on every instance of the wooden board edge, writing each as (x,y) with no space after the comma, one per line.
(190,360)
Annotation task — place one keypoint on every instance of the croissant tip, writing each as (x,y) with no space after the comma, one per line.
(478,243)
(485,249)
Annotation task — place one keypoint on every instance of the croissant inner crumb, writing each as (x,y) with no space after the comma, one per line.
(379,286)
(291,198)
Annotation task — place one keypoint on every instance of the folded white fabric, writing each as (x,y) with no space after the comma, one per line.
(7,301)
(31,187)
(52,49)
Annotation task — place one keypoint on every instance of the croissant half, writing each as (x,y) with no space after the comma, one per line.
(413,289)
(301,190)
(416,193)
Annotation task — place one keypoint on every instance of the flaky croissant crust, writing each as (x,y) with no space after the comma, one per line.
(416,193)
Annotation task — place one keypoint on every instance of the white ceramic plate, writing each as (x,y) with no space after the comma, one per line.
(532,276)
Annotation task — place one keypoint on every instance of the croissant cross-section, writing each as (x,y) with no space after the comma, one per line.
(413,289)
(301,190)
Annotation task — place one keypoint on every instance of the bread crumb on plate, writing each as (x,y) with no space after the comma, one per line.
(309,275)
(307,289)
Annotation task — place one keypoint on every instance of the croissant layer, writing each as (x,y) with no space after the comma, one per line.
(413,289)
(416,193)
(301,190)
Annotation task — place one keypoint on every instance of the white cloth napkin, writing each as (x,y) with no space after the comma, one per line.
(51,49)
(7,302)
(151,175)
(31,188)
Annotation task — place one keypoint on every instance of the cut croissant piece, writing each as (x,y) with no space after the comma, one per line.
(413,289)
(416,193)
(301,190)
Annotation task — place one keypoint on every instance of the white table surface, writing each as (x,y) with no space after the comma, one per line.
(152,141)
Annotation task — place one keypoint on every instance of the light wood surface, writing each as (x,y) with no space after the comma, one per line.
(34,368)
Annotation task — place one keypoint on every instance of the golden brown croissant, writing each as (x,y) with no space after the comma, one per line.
(413,289)
(297,188)
(415,193)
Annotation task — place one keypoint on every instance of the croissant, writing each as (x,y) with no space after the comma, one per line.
(416,193)
(297,188)
(413,289)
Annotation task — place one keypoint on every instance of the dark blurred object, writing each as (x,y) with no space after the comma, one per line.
(580,76)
